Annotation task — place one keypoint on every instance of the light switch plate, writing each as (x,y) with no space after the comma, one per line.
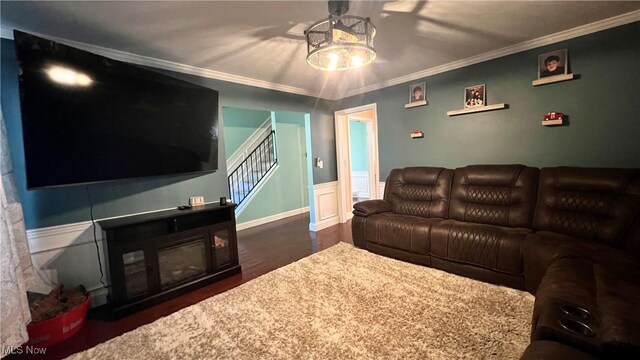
(196,200)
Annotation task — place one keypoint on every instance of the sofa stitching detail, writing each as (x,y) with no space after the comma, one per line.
(413,225)
(448,234)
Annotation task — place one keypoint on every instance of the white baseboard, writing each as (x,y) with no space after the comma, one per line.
(99,296)
(268,219)
(324,224)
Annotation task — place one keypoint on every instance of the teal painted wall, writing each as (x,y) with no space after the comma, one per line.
(239,124)
(602,104)
(603,130)
(359,147)
(50,207)
(286,190)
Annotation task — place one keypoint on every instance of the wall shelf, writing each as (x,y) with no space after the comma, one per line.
(417,103)
(552,79)
(477,109)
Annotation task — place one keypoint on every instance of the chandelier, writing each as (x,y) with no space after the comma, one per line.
(340,42)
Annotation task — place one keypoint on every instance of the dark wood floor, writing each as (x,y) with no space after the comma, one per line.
(262,249)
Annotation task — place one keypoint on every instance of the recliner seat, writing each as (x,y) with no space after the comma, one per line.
(567,235)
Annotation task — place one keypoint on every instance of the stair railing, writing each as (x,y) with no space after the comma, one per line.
(244,179)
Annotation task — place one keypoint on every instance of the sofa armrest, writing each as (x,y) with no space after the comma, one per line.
(370,207)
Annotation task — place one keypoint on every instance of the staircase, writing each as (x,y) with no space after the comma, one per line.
(251,172)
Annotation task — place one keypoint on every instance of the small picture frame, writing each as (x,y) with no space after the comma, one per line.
(475,96)
(553,63)
(417,92)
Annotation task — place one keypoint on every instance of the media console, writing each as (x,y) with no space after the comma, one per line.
(156,256)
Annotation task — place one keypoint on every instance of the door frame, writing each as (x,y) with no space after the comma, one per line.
(341,119)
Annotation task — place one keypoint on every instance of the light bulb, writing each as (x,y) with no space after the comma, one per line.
(67,76)
(356,61)
(83,80)
(333,61)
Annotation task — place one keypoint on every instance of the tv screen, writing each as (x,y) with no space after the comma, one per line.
(87,118)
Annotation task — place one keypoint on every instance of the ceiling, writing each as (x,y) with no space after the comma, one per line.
(263,41)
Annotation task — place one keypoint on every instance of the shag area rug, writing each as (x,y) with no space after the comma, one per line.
(341,303)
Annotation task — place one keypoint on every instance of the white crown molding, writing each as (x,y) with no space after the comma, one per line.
(582,30)
(7,33)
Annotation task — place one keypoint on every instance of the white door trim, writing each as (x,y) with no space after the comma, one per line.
(341,119)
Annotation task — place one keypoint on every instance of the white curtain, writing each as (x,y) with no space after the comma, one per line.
(16,269)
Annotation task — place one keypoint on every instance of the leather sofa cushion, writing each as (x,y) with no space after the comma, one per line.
(503,195)
(491,247)
(543,247)
(632,240)
(589,203)
(619,310)
(403,232)
(570,280)
(419,191)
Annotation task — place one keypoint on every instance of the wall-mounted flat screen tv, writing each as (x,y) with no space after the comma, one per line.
(87,118)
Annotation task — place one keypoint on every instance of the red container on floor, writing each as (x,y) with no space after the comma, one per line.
(61,327)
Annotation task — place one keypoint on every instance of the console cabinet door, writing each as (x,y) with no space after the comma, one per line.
(136,274)
(132,274)
(223,247)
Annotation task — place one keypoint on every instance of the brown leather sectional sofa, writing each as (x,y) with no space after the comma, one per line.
(570,236)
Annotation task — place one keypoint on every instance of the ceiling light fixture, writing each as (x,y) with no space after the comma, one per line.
(67,76)
(340,42)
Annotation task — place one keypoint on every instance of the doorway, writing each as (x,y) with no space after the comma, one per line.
(274,190)
(357,153)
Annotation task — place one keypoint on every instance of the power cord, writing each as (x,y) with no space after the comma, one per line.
(95,237)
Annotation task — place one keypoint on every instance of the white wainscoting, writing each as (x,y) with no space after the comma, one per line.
(360,184)
(325,206)
(66,254)
(381,185)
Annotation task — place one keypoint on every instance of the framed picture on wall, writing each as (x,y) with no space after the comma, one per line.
(475,96)
(417,95)
(417,92)
(553,63)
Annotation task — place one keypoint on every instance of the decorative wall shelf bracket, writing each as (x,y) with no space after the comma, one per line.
(476,109)
(417,103)
(552,79)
